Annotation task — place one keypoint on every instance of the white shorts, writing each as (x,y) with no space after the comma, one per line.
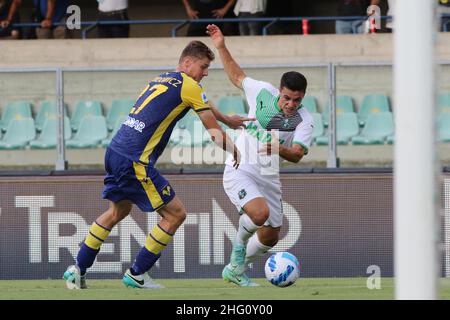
(241,187)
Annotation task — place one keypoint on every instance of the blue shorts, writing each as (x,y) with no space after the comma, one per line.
(141,184)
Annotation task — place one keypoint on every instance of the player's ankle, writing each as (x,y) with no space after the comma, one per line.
(134,272)
(82,271)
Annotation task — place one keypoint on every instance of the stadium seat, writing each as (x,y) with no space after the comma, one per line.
(310,104)
(346,128)
(232,105)
(15,110)
(318,126)
(372,103)
(189,117)
(177,133)
(47,109)
(18,134)
(443,125)
(390,139)
(119,121)
(48,137)
(118,109)
(84,109)
(378,127)
(91,132)
(189,132)
(343,104)
(193,134)
(444,102)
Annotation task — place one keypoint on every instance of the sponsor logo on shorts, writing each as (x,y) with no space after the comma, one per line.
(242,194)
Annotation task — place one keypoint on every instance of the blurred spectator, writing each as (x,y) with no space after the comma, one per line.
(48,13)
(208,9)
(8,16)
(250,9)
(390,12)
(444,8)
(109,10)
(348,8)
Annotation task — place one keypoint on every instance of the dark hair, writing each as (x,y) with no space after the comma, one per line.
(294,81)
(198,50)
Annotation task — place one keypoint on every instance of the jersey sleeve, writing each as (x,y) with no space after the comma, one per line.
(303,134)
(193,95)
(252,88)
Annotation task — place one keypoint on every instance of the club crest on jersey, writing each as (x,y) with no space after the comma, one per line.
(285,123)
(166,191)
(242,194)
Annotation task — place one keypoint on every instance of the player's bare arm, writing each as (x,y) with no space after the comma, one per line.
(232,69)
(292,154)
(219,136)
(234,122)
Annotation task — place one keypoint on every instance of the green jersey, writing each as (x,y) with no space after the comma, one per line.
(262,98)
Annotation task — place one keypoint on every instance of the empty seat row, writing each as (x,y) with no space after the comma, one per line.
(119,108)
(85,128)
(22,132)
(48,110)
(189,130)
(379,129)
(371,103)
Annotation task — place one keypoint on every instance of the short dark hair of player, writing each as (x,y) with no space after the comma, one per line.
(294,81)
(198,50)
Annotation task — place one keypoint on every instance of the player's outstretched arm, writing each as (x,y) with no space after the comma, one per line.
(232,69)
(219,136)
(233,122)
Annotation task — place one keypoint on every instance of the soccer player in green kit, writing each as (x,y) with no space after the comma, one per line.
(282,128)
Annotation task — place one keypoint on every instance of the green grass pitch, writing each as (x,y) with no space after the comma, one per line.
(207,289)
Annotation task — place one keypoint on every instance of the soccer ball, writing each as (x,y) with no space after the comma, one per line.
(282,269)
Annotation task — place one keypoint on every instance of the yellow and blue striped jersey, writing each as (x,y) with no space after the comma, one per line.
(166,99)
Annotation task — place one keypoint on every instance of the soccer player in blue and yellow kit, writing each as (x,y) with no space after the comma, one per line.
(130,159)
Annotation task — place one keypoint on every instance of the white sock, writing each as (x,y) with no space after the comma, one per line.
(255,249)
(246,229)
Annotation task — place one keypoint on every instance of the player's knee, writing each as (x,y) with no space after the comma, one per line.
(116,217)
(116,214)
(260,215)
(181,216)
(177,217)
